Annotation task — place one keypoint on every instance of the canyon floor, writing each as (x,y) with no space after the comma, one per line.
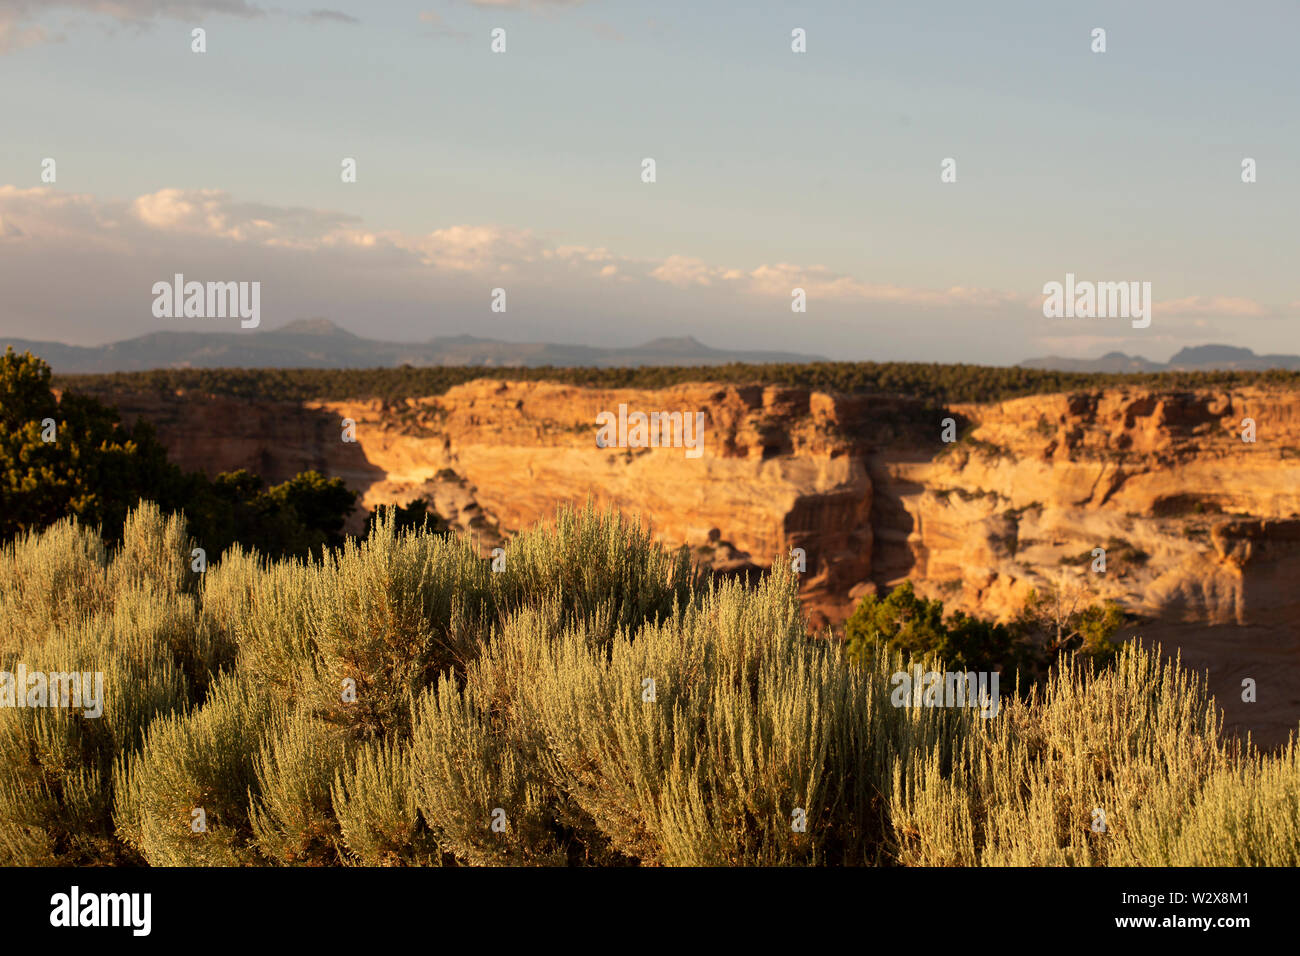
(1200,527)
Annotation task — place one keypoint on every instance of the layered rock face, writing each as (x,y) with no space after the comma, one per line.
(778,469)
(1164,483)
(1200,529)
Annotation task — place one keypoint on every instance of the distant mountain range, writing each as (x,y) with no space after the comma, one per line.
(319,343)
(1201,358)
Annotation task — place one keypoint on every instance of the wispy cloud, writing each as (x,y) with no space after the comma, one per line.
(18,36)
(439,27)
(20,27)
(325,261)
(821,283)
(330,16)
(496,249)
(133,11)
(526,4)
(1218,305)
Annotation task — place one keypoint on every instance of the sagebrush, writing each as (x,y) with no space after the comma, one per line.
(598,702)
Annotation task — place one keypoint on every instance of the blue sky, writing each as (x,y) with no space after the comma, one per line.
(522,170)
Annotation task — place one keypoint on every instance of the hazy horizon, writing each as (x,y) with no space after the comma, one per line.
(630,344)
(522,170)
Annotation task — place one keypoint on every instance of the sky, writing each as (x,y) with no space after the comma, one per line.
(774,170)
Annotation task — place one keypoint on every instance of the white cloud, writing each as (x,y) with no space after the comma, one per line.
(820,283)
(78,267)
(1211,305)
(486,249)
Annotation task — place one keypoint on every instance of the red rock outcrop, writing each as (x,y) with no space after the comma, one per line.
(1200,528)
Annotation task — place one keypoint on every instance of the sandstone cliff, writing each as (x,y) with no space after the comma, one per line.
(1201,530)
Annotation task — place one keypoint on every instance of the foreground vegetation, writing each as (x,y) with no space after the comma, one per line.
(69,455)
(398,702)
(1050,624)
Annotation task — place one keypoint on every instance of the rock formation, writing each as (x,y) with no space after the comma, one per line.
(1201,530)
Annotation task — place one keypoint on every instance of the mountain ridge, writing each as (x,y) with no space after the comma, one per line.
(321,343)
(1211,357)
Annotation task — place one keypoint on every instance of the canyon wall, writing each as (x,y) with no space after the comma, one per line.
(1201,530)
